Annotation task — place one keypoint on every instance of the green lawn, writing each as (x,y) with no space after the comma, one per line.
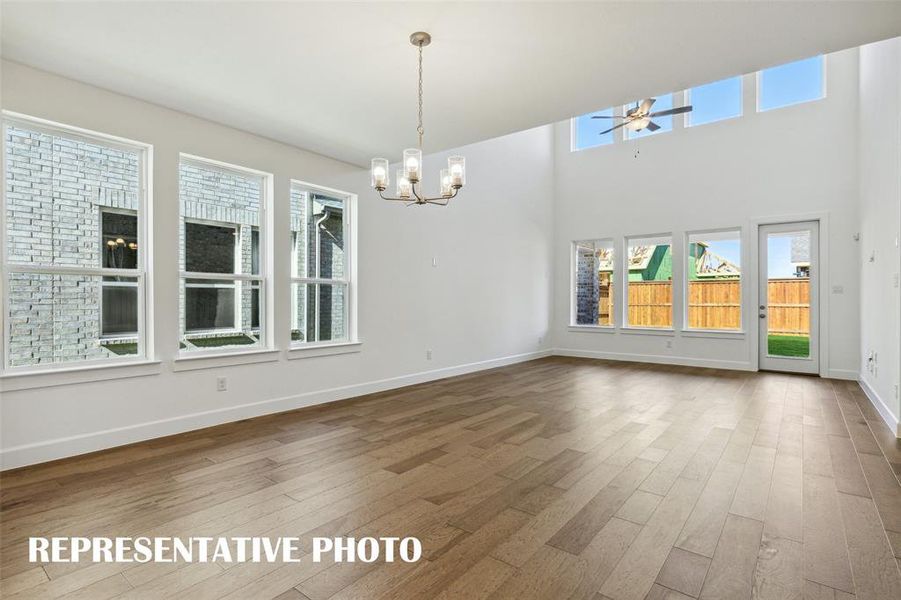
(788,345)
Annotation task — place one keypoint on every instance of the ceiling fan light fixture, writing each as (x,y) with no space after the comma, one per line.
(638,124)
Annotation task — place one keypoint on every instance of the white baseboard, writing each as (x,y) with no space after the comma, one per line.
(881,407)
(663,359)
(847,374)
(29,454)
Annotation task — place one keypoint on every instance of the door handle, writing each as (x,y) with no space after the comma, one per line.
(762,307)
(762,316)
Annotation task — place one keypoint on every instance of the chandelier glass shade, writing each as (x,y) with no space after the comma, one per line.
(408,179)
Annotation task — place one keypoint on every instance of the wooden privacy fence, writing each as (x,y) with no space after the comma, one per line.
(789,306)
(713,304)
(651,303)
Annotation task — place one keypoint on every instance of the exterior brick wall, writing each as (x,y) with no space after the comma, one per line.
(587,267)
(55,189)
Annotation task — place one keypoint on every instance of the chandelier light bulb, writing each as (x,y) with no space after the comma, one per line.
(445,179)
(457,167)
(379,174)
(413,164)
(404,187)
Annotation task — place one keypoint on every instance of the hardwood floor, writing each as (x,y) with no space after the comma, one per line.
(557,478)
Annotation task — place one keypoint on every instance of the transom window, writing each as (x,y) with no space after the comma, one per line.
(592,129)
(714,101)
(320,265)
(223,215)
(791,83)
(75,246)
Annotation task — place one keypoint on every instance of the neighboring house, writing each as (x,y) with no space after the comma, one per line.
(800,255)
(655,263)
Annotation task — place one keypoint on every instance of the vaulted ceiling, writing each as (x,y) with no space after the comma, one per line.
(340,78)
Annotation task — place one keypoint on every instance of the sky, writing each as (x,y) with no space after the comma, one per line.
(728,249)
(778,256)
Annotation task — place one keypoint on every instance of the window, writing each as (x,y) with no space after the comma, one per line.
(792,83)
(593,280)
(587,130)
(664,102)
(650,280)
(714,280)
(715,101)
(223,216)
(320,265)
(69,296)
(119,248)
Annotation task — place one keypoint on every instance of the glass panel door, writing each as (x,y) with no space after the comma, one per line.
(788,308)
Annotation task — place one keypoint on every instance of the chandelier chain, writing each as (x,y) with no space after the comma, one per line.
(419,128)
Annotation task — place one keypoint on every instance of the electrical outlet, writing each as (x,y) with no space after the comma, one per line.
(221,384)
(540,339)
(435,261)
(428,355)
(669,343)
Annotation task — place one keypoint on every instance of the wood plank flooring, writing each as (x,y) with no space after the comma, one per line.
(557,478)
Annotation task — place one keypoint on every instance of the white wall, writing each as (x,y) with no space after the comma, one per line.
(795,160)
(880,212)
(485,304)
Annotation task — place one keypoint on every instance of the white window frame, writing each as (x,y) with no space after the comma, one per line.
(143,266)
(574,279)
(348,282)
(262,278)
(742,282)
(624,279)
(758,77)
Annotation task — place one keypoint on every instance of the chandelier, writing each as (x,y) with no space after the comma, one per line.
(409,176)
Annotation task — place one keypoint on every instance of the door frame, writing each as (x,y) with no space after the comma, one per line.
(823,284)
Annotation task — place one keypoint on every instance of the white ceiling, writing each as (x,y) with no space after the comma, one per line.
(340,78)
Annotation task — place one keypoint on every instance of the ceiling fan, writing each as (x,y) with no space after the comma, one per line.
(639,116)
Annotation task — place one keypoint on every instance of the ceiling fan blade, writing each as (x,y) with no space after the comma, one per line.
(611,129)
(652,126)
(671,111)
(647,104)
(607,117)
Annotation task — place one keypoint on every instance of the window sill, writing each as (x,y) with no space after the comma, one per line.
(215,359)
(648,331)
(592,328)
(323,349)
(726,334)
(27,380)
